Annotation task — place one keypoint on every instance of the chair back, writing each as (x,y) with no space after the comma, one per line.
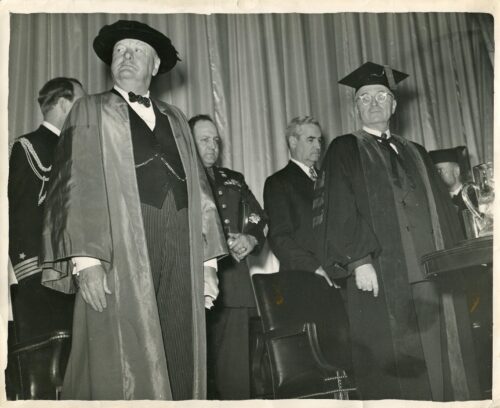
(306,334)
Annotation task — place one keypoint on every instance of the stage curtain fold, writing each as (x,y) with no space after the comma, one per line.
(253,73)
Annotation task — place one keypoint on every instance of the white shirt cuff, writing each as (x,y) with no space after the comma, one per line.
(211,289)
(211,262)
(82,262)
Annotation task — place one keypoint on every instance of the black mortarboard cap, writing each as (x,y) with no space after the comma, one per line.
(444,155)
(459,154)
(373,74)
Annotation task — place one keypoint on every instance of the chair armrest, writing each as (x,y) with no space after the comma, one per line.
(39,342)
(288,331)
(41,365)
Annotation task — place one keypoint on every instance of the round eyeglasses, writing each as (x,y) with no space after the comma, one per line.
(381,97)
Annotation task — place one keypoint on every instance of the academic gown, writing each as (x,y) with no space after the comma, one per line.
(359,213)
(93,209)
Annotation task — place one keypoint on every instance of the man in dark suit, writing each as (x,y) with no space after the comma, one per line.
(37,310)
(244,221)
(288,202)
(288,198)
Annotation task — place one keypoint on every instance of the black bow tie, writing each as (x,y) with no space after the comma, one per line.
(143,100)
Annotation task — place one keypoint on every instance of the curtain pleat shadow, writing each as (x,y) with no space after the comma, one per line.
(253,73)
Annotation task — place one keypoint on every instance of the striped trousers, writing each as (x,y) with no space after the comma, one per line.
(167,237)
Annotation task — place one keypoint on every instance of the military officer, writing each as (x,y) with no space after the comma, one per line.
(244,222)
(37,310)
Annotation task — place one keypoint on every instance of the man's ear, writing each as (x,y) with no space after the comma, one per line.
(292,142)
(394,104)
(157,63)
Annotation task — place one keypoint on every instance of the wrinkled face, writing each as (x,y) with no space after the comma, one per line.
(306,147)
(207,141)
(375,114)
(134,60)
(449,172)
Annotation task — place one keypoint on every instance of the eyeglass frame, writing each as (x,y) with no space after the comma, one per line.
(385,93)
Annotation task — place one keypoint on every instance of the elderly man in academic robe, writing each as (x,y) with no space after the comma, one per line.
(130,218)
(380,206)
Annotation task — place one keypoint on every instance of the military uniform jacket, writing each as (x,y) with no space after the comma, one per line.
(240,212)
(29,168)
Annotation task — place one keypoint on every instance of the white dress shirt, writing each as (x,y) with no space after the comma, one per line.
(304,168)
(454,192)
(51,127)
(147,114)
(378,134)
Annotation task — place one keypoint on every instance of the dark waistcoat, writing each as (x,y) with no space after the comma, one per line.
(157,161)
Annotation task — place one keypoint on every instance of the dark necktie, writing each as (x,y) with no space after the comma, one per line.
(394,159)
(143,100)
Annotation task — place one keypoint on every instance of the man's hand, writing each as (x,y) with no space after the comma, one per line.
(366,278)
(211,286)
(240,245)
(94,287)
(321,272)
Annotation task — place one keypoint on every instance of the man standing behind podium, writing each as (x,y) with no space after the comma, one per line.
(447,162)
(130,207)
(382,208)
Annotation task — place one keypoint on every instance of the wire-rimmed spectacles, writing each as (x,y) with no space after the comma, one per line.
(381,97)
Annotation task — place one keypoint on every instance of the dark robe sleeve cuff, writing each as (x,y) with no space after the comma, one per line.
(336,271)
(363,261)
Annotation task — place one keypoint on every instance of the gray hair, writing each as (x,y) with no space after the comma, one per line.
(293,127)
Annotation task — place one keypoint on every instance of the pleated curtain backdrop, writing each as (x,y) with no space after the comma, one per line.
(253,73)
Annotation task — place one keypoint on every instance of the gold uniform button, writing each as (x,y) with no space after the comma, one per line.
(226,221)
(224,205)
(220,192)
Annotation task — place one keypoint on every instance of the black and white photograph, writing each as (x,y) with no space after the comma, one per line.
(247,204)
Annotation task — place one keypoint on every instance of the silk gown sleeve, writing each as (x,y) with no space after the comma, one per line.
(76,221)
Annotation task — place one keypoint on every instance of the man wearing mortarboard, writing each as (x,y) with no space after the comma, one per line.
(449,163)
(448,166)
(379,207)
(129,210)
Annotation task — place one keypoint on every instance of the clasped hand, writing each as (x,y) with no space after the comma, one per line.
(94,287)
(240,245)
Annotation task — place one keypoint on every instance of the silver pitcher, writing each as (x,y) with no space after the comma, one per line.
(481,221)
